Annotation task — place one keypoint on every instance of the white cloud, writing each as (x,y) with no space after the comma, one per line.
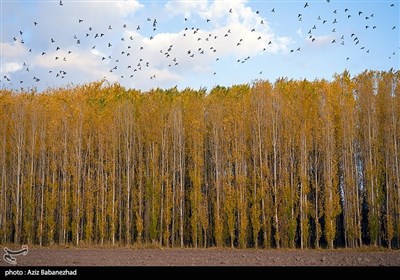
(232,37)
(233,11)
(153,77)
(127,7)
(194,55)
(78,63)
(12,50)
(242,25)
(11,67)
(97,53)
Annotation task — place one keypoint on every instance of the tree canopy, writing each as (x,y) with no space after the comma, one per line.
(288,164)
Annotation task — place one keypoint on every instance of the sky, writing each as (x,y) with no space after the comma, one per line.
(197,44)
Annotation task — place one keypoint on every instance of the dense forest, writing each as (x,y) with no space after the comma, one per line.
(289,164)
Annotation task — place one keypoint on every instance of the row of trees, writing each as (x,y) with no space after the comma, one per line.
(289,164)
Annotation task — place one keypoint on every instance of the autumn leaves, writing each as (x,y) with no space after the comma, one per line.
(290,164)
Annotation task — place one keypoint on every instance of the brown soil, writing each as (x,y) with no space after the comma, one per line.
(203,257)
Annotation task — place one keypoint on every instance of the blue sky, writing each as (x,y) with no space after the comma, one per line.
(148,44)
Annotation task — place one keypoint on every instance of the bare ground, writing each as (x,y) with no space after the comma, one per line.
(204,257)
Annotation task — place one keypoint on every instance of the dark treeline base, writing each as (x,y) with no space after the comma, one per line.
(293,164)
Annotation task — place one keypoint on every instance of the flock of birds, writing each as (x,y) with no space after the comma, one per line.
(130,60)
